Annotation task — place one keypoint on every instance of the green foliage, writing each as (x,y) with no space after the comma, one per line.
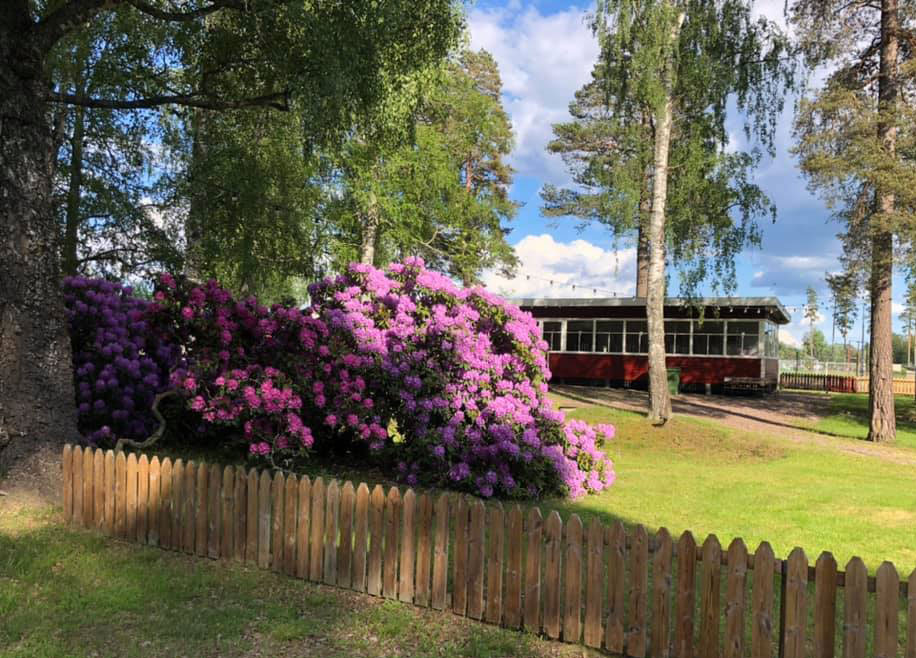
(844,290)
(713,207)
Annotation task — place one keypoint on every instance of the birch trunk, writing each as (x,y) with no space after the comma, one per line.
(882,421)
(659,399)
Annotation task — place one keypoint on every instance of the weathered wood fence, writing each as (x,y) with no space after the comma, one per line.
(816,382)
(617,589)
(901,386)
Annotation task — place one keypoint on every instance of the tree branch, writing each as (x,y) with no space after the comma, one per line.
(185,16)
(277,101)
(155,436)
(67,18)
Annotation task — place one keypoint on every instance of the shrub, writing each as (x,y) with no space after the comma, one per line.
(461,373)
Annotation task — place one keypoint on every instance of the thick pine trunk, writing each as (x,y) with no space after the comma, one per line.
(882,422)
(37,410)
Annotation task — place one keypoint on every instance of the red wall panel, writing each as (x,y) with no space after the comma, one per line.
(631,368)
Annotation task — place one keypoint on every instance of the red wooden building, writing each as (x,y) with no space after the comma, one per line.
(717,343)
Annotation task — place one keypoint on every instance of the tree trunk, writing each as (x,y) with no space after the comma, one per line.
(882,422)
(370,234)
(74,193)
(642,256)
(194,221)
(37,410)
(659,399)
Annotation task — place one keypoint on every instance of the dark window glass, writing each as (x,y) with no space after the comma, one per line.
(553,334)
(743,338)
(707,337)
(677,337)
(637,337)
(579,335)
(609,336)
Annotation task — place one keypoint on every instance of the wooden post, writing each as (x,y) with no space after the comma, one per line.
(88,497)
(277,513)
(424,550)
(496,545)
(709,597)
(376,534)
(189,515)
(614,636)
(476,553)
(109,492)
(736,582)
(201,510)
(796,604)
(120,496)
(251,528)
(392,530)
(227,512)
(825,582)
(130,494)
(165,504)
(639,593)
(661,594)
(178,506)
(345,548)
(855,622)
(572,581)
(460,576)
(316,541)
(553,532)
(763,623)
(303,527)
(361,537)
(532,603)
(264,500)
(241,513)
(440,556)
(408,548)
(152,535)
(330,533)
(291,511)
(98,479)
(512,614)
(887,606)
(214,509)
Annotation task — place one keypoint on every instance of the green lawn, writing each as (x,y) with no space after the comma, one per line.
(698,475)
(65,592)
(849,417)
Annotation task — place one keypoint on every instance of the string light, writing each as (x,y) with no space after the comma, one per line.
(573,286)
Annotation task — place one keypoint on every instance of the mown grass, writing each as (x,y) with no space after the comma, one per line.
(849,417)
(699,475)
(65,592)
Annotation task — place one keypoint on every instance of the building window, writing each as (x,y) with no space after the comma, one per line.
(609,336)
(677,337)
(743,338)
(553,333)
(770,340)
(637,337)
(708,337)
(580,335)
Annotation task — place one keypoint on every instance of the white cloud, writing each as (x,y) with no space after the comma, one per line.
(543,60)
(576,269)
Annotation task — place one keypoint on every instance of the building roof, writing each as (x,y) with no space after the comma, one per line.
(770,304)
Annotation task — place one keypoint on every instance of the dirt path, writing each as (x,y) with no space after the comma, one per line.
(774,415)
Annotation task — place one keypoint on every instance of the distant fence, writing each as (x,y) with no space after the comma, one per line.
(901,386)
(814,382)
(612,588)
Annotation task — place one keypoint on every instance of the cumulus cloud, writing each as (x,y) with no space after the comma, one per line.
(543,59)
(578,268)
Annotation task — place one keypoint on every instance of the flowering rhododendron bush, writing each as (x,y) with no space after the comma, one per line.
(461,374)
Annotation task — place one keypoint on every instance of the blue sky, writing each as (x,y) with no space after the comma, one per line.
(545,52)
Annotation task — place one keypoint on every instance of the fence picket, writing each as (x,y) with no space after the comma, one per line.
(302,527)
(99,491)
(440,554)
(408,547)
(392,530)
(911,617)
(165,504)
(130,496)
(424,550)
(109,466)
(460,576)
(88,497)
(241,513)
(512,606)
(887,606)
(77,486)
(178,506)
(201,510)
(345,549)
(762,603)
(376,534)
(291,509)
(330,533)
(532,602)
(825,577)
(476,553)
(709,598)
(854,609)
(361,537)
(120,495)
(67,471)
(227,515)
(572,581)
(616,539)
(142,498)
(553,534)
(316,541)
(796,616)
(251,527)
(639,593)
(496,546)
(214,509)
(661,594)
(736,581)
(190,513)
(264,500)
(277,498)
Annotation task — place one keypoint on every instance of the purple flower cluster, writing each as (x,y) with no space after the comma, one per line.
(121,359)
(460,373)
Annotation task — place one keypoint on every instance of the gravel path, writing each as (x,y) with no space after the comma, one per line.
(777,414)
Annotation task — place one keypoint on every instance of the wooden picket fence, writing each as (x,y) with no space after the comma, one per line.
(620,590)
(901,386)
(819,382)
